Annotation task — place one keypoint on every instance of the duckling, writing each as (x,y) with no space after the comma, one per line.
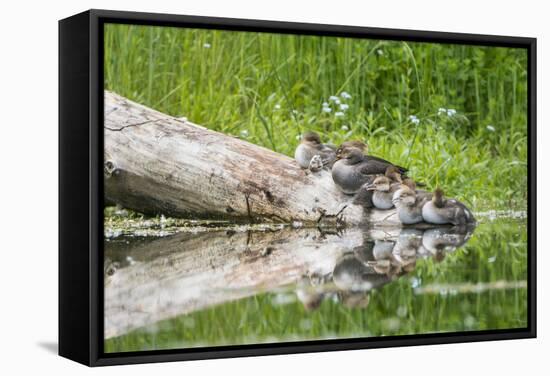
(363,197)
(316,163)
(445,239)
(311,146)
(396,176)
(354,299)
(352,144)
(353,169)
(407,245)
(405,250)
(310,297)
(383,192)
(409,206)
(383,249)
(446,211)
(382,253)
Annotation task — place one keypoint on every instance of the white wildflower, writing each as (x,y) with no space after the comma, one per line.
(441,111)
(306,324)
(414,119)
(380,52)
(401,311)
(283,299)
(344,106)
(327,109)
(277,106)
(345,128)
(325,104)
(333,98)
(297,224)
(469,321)
(451,112)
(207,45)
(339,114)
(415,282)
(345,95)
(491,128)
(244,133)
(492,259)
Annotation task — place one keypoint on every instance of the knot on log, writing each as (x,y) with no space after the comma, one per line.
(331,220)
(110,169)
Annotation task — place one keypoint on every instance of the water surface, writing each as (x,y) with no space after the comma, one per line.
(260,285)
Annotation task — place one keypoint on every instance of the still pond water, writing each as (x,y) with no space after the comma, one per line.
(233,286)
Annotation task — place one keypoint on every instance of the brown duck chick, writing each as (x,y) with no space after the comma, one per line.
(440,210)
(408,205)
(354,299)
(352,144)
(393,173)
(311,149)
(310,297)
(383,190)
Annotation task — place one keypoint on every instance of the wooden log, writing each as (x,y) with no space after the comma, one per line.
(157,164)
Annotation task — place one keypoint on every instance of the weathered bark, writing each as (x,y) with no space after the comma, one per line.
(155,163)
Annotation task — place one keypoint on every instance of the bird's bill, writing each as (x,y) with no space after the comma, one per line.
(325,162)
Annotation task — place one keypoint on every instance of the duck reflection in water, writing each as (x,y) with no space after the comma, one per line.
(378,262)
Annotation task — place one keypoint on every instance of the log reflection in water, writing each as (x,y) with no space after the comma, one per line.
(167,277)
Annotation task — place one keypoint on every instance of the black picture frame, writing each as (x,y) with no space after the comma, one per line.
(81,187)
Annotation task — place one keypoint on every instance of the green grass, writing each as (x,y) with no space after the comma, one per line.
(496,252)
(269,89)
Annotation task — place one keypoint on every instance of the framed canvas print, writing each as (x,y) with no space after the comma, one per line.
(240,187)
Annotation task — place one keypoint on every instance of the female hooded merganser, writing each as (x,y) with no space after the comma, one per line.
(353,169)
(310,147)
(350,274)
(365,150)
(409,206)
(441,211)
